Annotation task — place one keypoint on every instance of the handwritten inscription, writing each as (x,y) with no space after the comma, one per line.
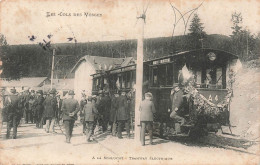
(65,14)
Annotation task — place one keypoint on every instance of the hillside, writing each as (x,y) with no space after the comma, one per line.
(32,60)
(245,112)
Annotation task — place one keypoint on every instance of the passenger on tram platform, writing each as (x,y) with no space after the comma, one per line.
(177,106)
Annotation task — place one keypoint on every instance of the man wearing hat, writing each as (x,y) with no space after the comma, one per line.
(11,104)
(100,108)
(113,113)
(122,115)
(50,108)
(106,101)
(70,108)
(59,104)
(147,110)
(177,106)
(89,111)
(39,108)
(26,105)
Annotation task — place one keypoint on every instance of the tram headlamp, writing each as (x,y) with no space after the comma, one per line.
(212,56)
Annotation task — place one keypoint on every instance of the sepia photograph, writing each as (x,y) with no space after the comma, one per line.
(130,82)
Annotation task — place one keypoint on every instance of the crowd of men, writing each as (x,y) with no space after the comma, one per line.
(106,111)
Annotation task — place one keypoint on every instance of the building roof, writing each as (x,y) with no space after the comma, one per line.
(104,63)
(61,84)
(24,82)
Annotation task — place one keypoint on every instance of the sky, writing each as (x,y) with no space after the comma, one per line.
(103,20)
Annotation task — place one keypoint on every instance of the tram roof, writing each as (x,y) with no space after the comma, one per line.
(206,51)
(183,53)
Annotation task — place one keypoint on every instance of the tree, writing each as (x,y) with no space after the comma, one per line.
(244,44)
(197,33)
(10,65)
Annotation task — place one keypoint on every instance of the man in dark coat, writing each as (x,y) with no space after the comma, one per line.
(59,112)
(11,104)
(39,108)
(122,115)
(113,111)
(177,106)
(89,112)
(70,108)
(147,110)
(106,101)
(50,108)
(100,108)
(26,105)
(82,103)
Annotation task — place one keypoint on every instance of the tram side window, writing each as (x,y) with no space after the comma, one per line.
(169,74)
(96,83)
(155,76)
(123,80)
(162,75)
(128,79)
(133,78)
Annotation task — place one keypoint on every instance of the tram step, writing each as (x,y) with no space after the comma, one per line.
(187,125)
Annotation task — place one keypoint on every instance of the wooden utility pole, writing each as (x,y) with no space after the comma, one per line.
(139,78)
(52,66)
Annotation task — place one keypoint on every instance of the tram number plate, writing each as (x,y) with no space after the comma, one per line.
(214,96)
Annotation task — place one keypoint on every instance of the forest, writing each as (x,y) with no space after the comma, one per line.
(34,61)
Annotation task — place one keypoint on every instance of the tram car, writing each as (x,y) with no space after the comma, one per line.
(205,76)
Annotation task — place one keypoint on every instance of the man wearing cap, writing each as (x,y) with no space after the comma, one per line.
(89,111)
(50,108)
(147,110)
(122,115)
(11,104)
(70,108)
(177,106)
(39,108)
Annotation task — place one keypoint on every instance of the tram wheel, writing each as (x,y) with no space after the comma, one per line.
(196,132)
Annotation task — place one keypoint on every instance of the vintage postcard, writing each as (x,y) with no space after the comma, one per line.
(129,82)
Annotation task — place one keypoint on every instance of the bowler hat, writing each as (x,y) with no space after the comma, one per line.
(13,90)
(175,85)
(122,90)
(71,92)
(53,91)
(40,92)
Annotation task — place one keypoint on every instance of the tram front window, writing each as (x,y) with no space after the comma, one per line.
(211,78)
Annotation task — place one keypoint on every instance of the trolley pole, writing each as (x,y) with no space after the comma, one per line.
(139,80)
(52,66)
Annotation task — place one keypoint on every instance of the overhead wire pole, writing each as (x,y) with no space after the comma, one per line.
(139,77)
(52,66)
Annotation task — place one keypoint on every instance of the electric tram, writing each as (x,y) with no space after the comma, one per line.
(205,74)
